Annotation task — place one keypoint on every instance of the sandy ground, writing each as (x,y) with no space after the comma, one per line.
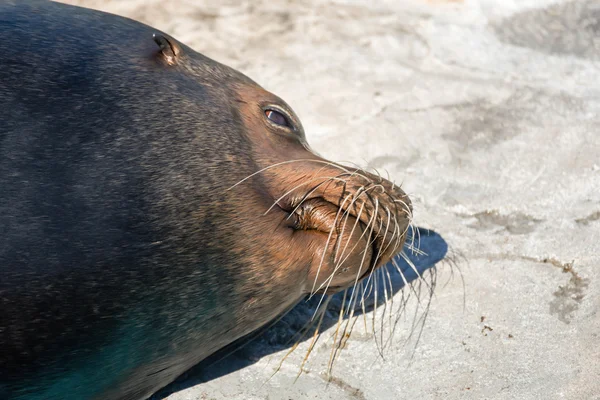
(488,112)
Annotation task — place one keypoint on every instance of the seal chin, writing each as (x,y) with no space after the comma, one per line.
(374,262)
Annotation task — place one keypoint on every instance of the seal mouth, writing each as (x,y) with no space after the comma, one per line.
(348,228)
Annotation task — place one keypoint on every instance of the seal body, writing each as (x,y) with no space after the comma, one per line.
(137,236)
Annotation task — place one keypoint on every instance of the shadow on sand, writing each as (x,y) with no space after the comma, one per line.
(283,334)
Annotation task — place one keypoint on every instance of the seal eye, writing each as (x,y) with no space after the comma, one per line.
(277,118)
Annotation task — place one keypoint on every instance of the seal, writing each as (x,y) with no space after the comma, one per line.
(156,206)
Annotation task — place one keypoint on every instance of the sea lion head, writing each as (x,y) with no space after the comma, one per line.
(344,222)
(299,221)
(331,224)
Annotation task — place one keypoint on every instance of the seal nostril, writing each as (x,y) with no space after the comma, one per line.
(297,224)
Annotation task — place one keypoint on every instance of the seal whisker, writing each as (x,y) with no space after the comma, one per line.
(337,329)
(401,236)
(387,174)
(402,276)
(371,235)
(414,268)
(315,338)
(411,242)
(406,283)
(418,231)
(396,232)
(368,290)
(307,326)
(331,164)
(405,298)
(305,197)
(403,202)
(415,250)
(352,250)
(368,244)
(399,242)
(359,192)
(312,292)
(382,250)
(373,284)
(375,298)
(328,179)
(391,300)
(328,281)
(423,317)
(378,174)
(352,164)
(347,215)
(361,265)
(385,306)
(356,222)
(363,306)
(346,332)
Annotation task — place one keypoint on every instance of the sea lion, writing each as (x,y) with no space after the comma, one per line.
(155,206)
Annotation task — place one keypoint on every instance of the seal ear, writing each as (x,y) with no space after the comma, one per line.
(168,49)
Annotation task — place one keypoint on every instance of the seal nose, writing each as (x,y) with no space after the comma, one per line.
(390,193)
(393,213)
(403,201)
(390,187)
